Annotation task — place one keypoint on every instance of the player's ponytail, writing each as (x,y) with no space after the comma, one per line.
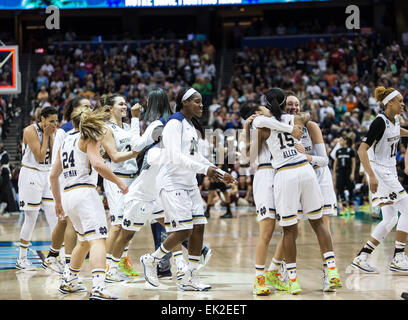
(384,95)
(91,123)
(275,101)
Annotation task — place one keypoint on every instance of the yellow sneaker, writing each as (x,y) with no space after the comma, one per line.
(272,278)
(294,286)
(259,286)
(334,278)
(126,266)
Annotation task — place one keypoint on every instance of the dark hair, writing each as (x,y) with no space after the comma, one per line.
(47,111)
(70,106)
(246,111)
(158,105)
(179,106)
(275,101)
(349,142)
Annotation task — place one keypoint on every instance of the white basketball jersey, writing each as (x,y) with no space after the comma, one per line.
(264,155)
(76,168)
(29,159)
(384,151)
(307,142)
(282,146)
(122,139)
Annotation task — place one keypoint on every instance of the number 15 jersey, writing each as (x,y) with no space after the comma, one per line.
(76,168)
(282,144)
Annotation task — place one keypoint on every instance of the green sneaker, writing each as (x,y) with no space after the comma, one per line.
(294,287)
(272,279)
(259,286)
(126,267)
(334,278)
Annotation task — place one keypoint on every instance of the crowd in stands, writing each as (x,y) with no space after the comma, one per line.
(334,81)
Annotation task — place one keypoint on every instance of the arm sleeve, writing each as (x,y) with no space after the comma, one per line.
(375,132)
(138,142)
(320,159)
(272,123)
(172,149)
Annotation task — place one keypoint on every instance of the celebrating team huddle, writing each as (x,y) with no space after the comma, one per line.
(152,177)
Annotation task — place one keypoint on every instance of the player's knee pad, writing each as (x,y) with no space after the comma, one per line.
(389,220)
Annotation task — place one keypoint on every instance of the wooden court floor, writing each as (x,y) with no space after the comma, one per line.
(230,270)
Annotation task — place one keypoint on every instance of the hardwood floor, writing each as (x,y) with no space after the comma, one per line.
(230,270)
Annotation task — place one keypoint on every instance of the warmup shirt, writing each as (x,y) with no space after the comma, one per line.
(181,158)
(344,165)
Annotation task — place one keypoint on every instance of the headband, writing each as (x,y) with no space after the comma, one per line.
(391,96)
(188,94)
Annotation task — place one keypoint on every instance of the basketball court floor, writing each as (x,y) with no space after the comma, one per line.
(230,270)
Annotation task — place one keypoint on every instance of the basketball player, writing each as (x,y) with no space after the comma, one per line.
(377,154)
(260,157)
(64,234)
(343,170)
(33,184)
(122,161)
(179,193)
(79,161)
(295,182)
(312,145)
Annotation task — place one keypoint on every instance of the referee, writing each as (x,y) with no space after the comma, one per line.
(343,173)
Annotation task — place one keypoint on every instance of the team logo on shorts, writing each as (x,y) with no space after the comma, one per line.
(278,217)
(126,223)
(393,196)
(113,218)
(262,211)
(22,203)
(103,230)
(173,223)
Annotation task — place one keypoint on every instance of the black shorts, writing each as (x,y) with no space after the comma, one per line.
(218,186)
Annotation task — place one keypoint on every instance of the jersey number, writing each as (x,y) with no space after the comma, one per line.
(286,140)
(128,148)
(66,160)
(394,148)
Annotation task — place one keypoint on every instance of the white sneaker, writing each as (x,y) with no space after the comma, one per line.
(191,282)
(362,262)
(204,259)
(101,293)
(150,264)
(113,276)
(399,263)
(284,277)
(182,268)
(25,264)
(54,264)
(70,286)
(326,282)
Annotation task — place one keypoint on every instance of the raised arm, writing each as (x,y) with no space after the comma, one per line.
(30,137)
(320,159)
(109,145)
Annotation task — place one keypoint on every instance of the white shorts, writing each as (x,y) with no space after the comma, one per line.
(34,189)
(182,209)
(85,209)
(137,213)
(389,188)
(325,180)
(293,185)
(115,199)
(263,192)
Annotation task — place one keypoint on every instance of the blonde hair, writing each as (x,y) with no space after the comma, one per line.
(381,93)
(108,100)
(91,123)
